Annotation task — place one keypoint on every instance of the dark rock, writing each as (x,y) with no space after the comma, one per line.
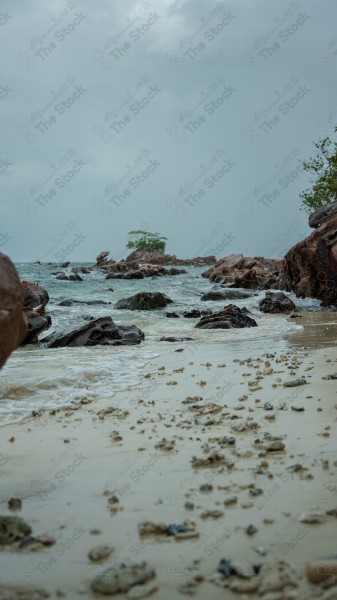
(224,294)
(15,504)
(196,314)
(102,331)
(192,314)
(172,315)
(35,301)
(144,301)
(225,568)
(38,322)
(102,258)
(173,529)
(13,324)
(250,530)
(71,277)
(276,302)
(134,275)
(230,316)
(322,214)
(172,338)
(70,302)
(82,269)
(65,264)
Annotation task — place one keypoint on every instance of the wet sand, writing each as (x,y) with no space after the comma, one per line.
(67,467)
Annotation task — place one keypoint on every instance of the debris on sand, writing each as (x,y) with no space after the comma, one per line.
(184,531)
(214,459)
(100,553)
(13,529)
(166,445)
(294,382)
(111,411)
(120,579)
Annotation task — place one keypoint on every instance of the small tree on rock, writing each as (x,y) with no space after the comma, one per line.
(145,240)
(323,167)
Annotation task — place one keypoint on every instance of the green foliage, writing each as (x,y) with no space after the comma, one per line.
(323,168)
(145,240)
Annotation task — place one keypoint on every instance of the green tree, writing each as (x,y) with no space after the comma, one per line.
(323,168)
(145,240)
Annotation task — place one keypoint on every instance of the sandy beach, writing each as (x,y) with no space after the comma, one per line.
(212,440)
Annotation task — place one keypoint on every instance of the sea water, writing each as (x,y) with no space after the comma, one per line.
(36,377)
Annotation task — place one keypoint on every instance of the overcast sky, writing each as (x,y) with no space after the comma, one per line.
(188,117)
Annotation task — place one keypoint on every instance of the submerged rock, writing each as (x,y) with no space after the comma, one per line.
(120,579)
(144,301)
(102,331)
(230,316)
(217,293)
(71,277)
(173,338)
(277,302)
(70,302)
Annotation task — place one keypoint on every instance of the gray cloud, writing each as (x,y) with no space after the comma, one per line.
(189,118)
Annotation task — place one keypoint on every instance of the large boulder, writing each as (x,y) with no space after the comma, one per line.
(277,302)
(99,332)
(144,301)
(217,294)
(311,265)
(35,301)
(230,316)
(13,324)
(256,273)
(34,295)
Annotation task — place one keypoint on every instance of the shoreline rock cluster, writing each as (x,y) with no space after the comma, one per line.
(309,269)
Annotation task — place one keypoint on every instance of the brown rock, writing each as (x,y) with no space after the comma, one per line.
(13,324)
(255,273)
(34,295)
(311,265)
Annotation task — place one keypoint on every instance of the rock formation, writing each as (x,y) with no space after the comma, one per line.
(13,324)
(102,332)
(276,302)
(255,273)
(230,316)
(144,301)
(311,265)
